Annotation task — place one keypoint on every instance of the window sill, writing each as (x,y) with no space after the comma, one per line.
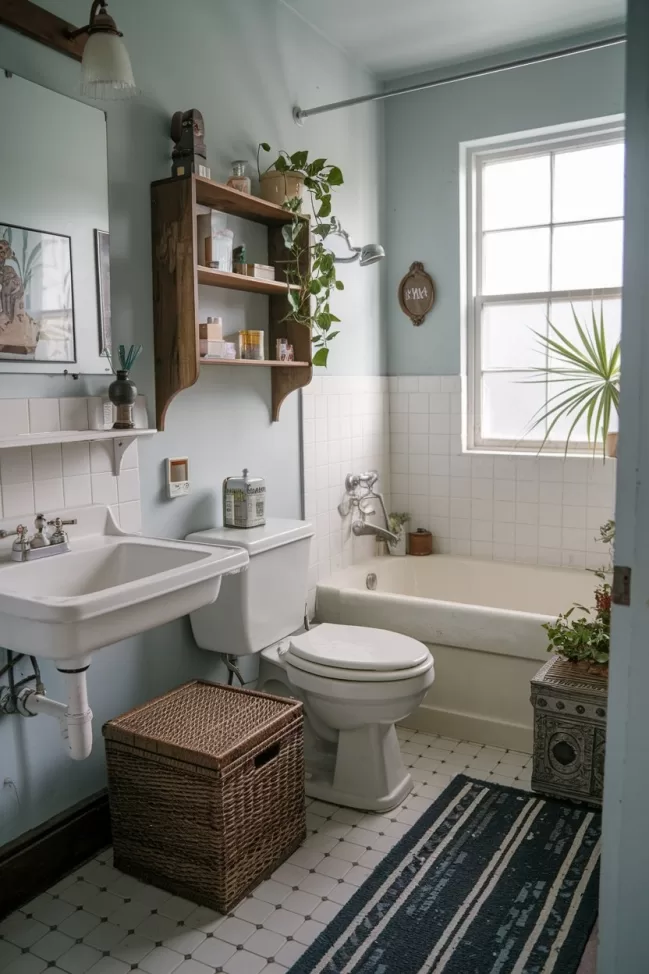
(480,451)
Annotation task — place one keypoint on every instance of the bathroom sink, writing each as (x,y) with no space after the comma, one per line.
(109,586)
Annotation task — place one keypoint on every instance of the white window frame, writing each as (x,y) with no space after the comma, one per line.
(473,155)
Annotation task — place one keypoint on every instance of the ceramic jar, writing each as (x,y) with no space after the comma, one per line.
(122,392)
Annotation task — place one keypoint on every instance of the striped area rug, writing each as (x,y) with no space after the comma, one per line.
(490,880)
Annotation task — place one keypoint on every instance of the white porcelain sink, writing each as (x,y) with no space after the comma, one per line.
(109,586)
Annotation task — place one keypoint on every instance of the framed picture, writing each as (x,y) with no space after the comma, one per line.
(102,257)
(36,296)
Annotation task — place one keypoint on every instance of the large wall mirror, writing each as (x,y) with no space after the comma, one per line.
(54,265)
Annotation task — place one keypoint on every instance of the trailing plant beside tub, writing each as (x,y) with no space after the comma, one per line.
(316,279)
(587,639)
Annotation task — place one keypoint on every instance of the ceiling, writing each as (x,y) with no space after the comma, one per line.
(393,39)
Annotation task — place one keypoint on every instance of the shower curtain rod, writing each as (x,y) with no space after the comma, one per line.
(299,114)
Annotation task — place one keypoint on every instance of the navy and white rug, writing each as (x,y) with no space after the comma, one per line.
(490,880)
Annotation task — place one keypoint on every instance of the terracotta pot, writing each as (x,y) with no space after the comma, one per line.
(277,187)
(611,445)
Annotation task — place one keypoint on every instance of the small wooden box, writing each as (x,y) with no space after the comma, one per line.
(206,789)
(570,704)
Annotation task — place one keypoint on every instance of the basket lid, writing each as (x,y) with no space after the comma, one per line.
(206,723)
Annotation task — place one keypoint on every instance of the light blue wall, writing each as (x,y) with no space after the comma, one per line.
(244,65)
(423,133)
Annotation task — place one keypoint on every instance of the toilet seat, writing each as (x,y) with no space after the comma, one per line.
(357,653)
(350,675)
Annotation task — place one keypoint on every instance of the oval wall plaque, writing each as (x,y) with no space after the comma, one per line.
(416,293)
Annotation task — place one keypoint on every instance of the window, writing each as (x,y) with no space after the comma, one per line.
(545,233)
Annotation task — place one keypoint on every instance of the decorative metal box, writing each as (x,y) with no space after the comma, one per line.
(570,703)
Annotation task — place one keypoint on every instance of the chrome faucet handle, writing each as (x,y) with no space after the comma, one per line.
(12,534)
(20,547)
(58,535)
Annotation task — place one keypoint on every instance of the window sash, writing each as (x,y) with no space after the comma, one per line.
(475,300)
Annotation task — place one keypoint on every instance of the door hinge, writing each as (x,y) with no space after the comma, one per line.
(621,592)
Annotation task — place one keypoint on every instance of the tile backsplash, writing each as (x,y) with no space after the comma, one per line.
(539,509)
(345,430)
(536,509)
(56,476)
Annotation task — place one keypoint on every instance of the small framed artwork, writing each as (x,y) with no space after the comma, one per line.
(36,296)
(102,258)
(416,293)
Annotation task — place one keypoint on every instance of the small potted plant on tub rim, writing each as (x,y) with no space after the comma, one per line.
(397,524)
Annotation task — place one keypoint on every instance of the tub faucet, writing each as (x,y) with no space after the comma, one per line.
(359,491)
(366,527)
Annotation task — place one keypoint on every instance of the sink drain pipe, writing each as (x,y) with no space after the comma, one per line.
(75,716)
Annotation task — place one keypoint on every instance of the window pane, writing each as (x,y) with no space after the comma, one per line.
(516,193)
(516,261)
(507,335)
(589,183)
(509,402)
(587,255)
(562,318)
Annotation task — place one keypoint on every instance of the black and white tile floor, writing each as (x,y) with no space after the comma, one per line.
(100,921)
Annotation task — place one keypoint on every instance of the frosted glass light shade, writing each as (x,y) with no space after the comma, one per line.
(106,70)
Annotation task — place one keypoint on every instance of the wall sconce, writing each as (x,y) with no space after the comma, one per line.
(369,254)
(106,70)
(105,65)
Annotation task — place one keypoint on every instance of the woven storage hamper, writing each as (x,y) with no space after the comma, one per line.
(206,788)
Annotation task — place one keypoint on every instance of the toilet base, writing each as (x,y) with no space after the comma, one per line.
(322,788)
(369,772)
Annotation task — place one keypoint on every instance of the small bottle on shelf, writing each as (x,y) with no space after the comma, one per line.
(238,179)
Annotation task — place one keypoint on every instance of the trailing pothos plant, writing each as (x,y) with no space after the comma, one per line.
(314,279)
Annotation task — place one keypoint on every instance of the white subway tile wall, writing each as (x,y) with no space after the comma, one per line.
(345,430)
(56,476)
(539,509)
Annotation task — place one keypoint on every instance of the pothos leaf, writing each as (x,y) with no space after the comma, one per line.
(321,356)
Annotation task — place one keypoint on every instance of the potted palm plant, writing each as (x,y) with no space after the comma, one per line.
(588,373)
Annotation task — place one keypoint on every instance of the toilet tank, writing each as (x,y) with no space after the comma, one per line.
(265,602)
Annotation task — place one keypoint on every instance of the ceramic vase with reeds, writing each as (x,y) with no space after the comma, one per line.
(122,391)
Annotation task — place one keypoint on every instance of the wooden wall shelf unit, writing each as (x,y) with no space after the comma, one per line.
(177,274)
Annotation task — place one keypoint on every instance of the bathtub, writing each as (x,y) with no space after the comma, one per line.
(481,621)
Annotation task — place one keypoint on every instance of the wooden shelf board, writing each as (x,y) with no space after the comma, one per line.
(222,197)
(218,196)
(246,361)
(239,282)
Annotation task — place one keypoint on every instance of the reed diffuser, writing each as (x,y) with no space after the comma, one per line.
(122,392)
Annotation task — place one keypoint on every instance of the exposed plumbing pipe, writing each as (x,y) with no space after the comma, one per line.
(75,717)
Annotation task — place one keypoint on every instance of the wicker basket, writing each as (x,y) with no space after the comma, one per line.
(206,787)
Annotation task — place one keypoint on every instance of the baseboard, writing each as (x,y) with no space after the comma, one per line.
(469,727)
(35,861)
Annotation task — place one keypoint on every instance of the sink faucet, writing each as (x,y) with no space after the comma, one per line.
(40,545)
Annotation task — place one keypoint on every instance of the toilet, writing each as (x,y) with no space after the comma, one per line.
(355,683)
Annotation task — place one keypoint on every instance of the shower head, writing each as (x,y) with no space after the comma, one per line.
(369,254)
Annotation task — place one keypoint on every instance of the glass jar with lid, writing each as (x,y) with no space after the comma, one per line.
(238,178)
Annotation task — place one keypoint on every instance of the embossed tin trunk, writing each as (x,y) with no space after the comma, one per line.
(570,704)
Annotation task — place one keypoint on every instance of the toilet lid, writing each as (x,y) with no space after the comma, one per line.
(358,648)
